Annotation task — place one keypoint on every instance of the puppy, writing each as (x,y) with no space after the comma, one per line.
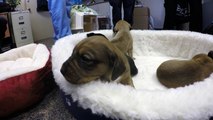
(94,58)
(123,39)
(179,73)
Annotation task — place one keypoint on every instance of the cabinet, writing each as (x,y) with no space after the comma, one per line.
(21,31)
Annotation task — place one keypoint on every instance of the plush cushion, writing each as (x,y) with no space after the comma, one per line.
(149,99)
(23,75)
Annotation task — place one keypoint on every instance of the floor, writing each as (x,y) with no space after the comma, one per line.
(50,108)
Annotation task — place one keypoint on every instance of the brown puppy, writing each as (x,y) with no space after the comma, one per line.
(177,73)
(123,39)
(96,58)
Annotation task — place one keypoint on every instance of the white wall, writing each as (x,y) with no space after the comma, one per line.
(40,21)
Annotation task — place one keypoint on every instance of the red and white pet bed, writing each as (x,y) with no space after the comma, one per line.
(24,73)
(149,100)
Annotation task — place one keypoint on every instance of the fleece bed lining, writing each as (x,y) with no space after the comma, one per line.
(149,99)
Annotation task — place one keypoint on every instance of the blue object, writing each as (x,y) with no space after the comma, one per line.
(60,15)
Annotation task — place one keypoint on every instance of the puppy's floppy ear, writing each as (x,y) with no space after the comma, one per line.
(133,68)
(114,30)
(90,34)
(130,28)
(210,54)
(118,66)
(95,34)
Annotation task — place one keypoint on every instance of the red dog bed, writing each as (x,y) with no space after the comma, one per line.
(23,74)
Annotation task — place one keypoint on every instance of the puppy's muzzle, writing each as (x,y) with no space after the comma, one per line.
(69,73)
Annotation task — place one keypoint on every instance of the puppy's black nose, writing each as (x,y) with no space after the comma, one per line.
(63,68)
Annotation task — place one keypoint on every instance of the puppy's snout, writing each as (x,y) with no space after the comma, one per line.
(63,68)
(62,71)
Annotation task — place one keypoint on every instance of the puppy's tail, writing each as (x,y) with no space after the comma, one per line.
(133,68)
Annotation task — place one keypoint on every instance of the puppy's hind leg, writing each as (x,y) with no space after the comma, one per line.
(130,52)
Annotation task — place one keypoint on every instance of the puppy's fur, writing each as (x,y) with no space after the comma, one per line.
(123,39)
(96,58)
(179,73)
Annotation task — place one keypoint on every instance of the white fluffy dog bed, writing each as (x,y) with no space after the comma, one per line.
(150,99)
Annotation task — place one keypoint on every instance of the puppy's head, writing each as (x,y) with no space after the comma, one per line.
(202,59)
(121,25)
(92,58)
(210,54)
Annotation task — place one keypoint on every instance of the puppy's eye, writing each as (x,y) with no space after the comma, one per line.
(86,59)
